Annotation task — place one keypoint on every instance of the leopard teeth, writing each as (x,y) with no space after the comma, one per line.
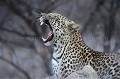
(44,39)
(41,22)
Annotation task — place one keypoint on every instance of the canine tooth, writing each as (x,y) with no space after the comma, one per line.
(44,39)
(41,21)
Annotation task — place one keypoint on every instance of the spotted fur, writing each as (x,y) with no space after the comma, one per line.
(71,53)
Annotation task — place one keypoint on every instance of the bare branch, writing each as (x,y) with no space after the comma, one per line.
(99,3)
(52,6)
(15,43)
(29,21)
(16,67)
(15,32)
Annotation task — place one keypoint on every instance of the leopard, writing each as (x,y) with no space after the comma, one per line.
(70,53)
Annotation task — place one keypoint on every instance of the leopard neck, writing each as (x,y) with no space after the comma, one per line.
(61,44)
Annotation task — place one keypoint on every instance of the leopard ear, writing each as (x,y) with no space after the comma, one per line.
(72,26)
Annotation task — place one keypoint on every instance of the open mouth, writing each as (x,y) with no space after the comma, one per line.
(50,34)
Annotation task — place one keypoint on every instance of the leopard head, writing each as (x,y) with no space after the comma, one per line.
(59,26)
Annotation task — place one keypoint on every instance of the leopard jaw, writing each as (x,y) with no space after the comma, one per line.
(50,35)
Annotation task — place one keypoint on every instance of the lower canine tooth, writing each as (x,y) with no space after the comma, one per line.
(44,39)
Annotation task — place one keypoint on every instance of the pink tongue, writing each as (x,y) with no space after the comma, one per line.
(49,34)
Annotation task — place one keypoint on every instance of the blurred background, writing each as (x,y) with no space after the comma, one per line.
(23,54)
